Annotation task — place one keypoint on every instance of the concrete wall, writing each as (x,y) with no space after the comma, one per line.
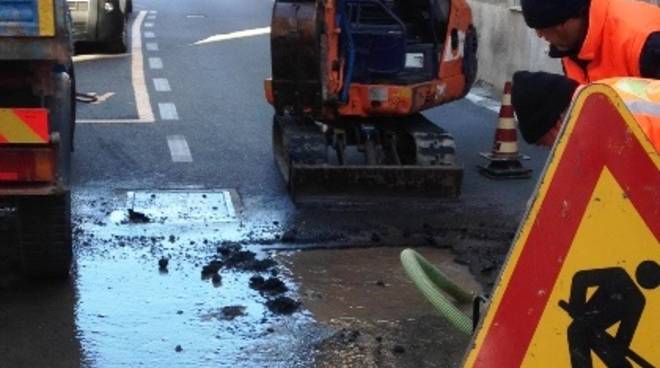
(506,44)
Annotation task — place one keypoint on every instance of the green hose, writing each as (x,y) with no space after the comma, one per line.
(431,282)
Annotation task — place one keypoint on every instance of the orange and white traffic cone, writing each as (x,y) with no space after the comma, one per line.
(504,159)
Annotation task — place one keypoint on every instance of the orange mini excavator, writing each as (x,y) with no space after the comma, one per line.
(349,80)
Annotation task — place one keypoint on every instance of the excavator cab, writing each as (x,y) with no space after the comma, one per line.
(350,78)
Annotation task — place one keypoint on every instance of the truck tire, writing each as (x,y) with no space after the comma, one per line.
(44,236)
(120,45)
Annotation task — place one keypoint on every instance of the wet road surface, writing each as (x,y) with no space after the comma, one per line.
(121,308)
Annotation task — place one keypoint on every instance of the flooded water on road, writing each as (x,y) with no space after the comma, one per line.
(190,278)
(133,312)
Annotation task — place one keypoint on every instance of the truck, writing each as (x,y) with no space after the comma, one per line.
(37,117)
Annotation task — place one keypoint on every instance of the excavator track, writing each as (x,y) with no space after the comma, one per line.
(407,158)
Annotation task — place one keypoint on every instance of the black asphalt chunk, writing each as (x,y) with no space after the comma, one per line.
(231,312)
(227,248)
(211,268)
(216,279)
(283,305)
(239,259)
(272,285)
(398,349)
(260,265)
(246,261)
(136,217)
(162,263)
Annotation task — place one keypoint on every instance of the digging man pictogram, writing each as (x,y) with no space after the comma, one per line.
(617,299)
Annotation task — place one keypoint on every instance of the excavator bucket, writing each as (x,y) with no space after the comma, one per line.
(396,163)
(351,183)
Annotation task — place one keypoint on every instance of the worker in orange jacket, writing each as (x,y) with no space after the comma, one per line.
(598,39)
(595,39)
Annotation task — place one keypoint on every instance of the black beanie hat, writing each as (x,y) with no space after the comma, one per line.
(539,99)
(548,13)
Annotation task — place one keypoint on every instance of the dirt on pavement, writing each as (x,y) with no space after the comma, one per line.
(379,318)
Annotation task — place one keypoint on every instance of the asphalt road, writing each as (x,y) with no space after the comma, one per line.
(181,132)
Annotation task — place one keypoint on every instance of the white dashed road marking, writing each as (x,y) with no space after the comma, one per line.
(155,63)
(149,35)
(142,101)
(162,85)
(148,25)
(234,35)
(179,149)
(152,46)
(168,111)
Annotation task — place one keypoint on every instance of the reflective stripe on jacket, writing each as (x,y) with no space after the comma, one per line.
(642,98)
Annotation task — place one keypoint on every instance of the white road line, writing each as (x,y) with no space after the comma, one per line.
(153,11)
(155,63)
(152,46)
(484,102)
(92,57)
(162,85)
(168,111)
(234,35)
(149,35)
(148,25)
(151,17)
(142,101)
(179,149)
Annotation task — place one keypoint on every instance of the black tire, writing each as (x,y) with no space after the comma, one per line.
(120,45)
(44,236)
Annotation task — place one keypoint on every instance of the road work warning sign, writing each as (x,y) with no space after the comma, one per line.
(580,287)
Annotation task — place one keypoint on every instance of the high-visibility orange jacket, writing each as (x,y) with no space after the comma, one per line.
(615,37)
(642,98)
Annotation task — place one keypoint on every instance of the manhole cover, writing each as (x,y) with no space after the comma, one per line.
(185,207)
